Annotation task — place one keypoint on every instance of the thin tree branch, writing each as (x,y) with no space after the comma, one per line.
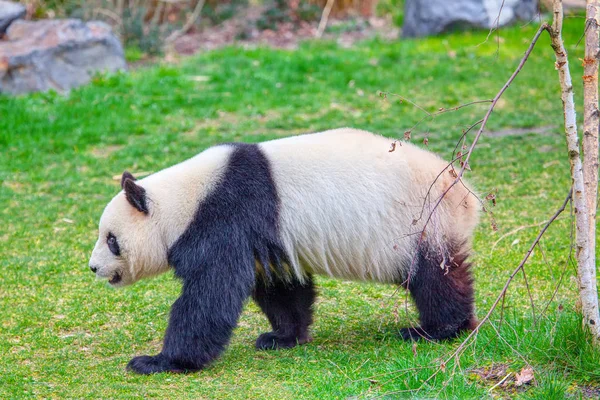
(516,230)
(324,18)
(465,163)
(530,295)
(188,24)
(431,115)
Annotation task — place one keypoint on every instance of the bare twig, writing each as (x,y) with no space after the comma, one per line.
(431,115)
(502,309)
(495,28)
(511,346)
(120,10)
(188,24)
(465,162)
(117,18)
(324,18)
(500,382)
(158,10)
(567,263)
(464,136)
(530,295)
(558,285)
(489,113)
(516,230)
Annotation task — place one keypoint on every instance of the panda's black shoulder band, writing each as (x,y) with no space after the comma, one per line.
(234,225)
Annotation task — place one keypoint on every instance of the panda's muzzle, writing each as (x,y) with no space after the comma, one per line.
(115,278)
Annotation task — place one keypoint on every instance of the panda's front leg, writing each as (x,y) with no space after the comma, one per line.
(201,323)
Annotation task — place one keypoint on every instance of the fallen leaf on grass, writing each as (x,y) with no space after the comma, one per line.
(524,377)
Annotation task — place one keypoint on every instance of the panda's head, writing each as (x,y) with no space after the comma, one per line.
(130,245)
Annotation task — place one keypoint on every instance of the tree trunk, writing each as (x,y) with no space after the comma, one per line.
(590,133)
(586,269)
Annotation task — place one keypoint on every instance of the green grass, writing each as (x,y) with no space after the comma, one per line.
(63,334)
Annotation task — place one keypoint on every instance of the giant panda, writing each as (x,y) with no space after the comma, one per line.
(259,220)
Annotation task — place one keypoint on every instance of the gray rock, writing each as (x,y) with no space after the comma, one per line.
(56,54)
(9,11)
(430,17)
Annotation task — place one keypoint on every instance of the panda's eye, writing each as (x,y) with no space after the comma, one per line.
(113,245)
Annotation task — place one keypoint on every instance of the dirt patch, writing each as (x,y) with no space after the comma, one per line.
(105,151)
(16,187)
(222,119)
(491,374)
(589,392)
(241,30)
(542,130)
(499,378)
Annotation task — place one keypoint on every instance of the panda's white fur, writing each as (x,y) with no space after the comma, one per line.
(348,203)
(239,220)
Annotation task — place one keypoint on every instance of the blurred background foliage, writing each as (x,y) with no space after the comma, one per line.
(145,25)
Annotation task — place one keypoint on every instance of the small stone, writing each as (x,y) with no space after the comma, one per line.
(9,11)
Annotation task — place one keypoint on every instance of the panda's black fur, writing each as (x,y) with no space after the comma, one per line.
(232,250)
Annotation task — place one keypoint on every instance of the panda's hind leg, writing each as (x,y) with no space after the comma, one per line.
(442,288)
(288,306)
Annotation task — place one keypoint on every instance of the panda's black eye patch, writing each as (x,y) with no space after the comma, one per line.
(113,245)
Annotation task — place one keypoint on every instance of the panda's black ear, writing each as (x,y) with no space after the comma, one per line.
(126,175)
(135,194)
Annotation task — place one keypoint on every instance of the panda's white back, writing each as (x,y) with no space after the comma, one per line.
(348,203)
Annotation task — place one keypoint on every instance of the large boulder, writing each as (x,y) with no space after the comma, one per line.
(430,17)
(9,11)
(56,54)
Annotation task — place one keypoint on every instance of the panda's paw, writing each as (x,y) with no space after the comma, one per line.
(444,332)
(414,334)
(146,365)
(273,341)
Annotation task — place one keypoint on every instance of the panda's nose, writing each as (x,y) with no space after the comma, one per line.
(93,268)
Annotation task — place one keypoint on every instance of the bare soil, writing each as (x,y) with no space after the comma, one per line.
(242,30)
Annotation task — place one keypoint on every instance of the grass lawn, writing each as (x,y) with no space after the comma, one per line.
(63,334)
